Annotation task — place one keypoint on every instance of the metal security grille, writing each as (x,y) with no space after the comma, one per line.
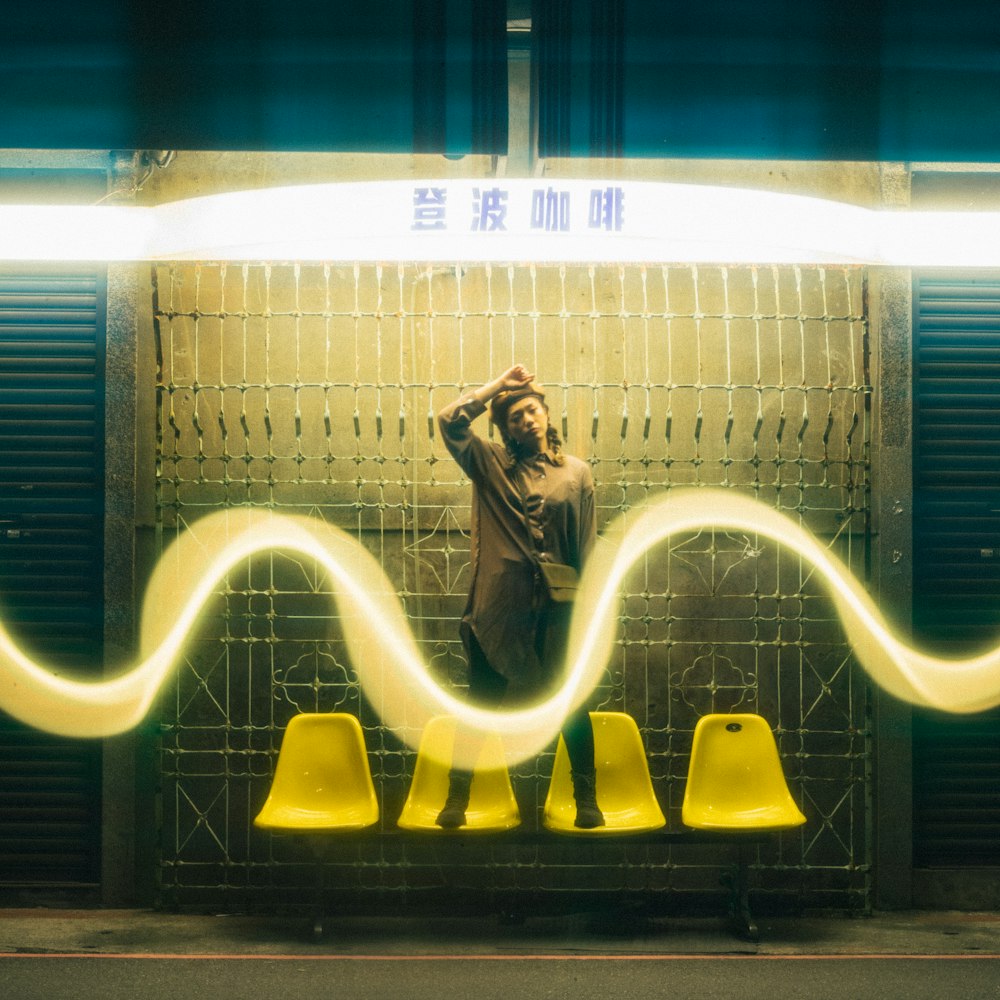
(956,547)
(51,558)
(313,388)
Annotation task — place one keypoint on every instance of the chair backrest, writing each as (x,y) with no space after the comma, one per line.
(624,789)
(492,805)
(322,780)
(735,781)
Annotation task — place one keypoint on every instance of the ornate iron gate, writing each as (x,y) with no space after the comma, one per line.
(312,388)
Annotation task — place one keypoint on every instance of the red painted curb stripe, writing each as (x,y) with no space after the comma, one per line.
(145,956)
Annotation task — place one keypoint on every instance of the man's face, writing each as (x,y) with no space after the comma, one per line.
(528,423)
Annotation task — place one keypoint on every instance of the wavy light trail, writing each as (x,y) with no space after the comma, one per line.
(385,655)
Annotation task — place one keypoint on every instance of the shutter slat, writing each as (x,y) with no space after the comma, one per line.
(956,555)
(51,554)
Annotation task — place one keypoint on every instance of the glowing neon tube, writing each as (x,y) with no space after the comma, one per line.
(503,220)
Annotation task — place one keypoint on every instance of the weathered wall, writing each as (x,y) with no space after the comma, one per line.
(310,388)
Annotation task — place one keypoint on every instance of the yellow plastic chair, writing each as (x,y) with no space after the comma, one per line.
(322,781)
(735,782)
(624,788)
(492,806)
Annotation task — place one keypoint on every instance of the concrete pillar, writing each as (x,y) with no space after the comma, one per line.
(891,319)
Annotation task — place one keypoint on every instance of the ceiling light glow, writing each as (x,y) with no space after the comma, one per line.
(505,221)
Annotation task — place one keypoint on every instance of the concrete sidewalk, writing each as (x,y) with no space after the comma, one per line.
(144,932)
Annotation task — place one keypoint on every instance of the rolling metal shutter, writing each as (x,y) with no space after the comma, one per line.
(51,557)
(956,550)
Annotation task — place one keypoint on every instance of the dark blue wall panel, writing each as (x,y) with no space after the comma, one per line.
(254,74)
(832,79)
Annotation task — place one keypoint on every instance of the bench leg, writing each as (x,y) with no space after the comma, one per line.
(740,917)
(318,846)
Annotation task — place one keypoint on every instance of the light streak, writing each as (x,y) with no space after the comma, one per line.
(385,655)
(374,221)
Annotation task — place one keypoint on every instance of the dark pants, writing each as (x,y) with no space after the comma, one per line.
(491,690)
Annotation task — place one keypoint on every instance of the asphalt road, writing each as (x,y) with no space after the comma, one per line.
(493,977)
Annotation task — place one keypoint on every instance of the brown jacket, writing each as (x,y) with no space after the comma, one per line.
(505,605)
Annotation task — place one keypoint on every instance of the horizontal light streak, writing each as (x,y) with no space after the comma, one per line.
(376,220)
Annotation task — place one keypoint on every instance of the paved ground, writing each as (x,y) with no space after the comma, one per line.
(146,932)
(119,954)
(583,979)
